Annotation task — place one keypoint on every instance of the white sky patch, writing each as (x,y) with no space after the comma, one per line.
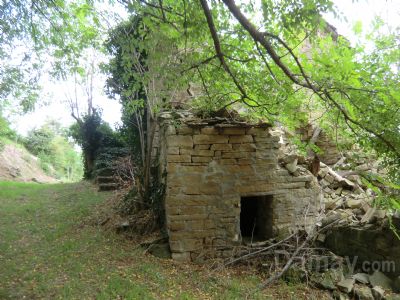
(362,10)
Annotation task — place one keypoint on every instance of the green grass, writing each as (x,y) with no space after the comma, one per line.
(48,250)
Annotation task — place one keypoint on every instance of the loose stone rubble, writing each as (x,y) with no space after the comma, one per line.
(361,233)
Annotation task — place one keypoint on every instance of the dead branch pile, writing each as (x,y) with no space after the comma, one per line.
(299,251)
(124,171)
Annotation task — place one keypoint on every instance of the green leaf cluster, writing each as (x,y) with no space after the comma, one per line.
(56,153)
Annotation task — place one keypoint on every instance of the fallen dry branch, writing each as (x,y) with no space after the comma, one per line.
(297,250)
(287,265)
(264,249)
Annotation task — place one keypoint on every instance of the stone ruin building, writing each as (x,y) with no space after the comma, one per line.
(225,186)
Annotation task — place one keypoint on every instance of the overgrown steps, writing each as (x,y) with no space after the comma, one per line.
(105,179)
(105,172)
(108,186)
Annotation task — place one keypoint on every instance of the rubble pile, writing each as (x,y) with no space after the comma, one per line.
(348,197)
(344,284)
(345,195)
(358,230)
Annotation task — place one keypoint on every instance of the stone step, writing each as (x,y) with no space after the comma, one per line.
(105,179)
(105,172)
(108,186)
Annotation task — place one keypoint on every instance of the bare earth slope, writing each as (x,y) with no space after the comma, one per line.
(17,164)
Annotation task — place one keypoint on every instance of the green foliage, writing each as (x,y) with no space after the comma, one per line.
(6,133)
(55,32)
(57,155)
(123,82)
(38,141)
(5,129)
(306,66)
(100,144)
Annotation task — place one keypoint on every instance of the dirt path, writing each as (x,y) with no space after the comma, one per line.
(48,251)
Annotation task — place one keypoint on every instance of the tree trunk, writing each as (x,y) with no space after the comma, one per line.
(150,131)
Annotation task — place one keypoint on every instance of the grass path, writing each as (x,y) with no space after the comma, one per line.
(47,251)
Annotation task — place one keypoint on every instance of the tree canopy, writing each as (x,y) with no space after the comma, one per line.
(273,60)
(43,36)
(276,60)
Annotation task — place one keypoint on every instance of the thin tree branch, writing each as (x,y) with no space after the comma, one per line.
(323,93)
(217,46)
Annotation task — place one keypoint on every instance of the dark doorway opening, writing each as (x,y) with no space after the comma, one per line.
(256,218)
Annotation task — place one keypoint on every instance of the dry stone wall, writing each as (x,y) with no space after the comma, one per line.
(209,168)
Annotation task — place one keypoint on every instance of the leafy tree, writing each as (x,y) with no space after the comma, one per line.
(57,155)
(95,137)
(47,33)
(278,64)
(126,81)
(38,141)
(5,129)
(268,59)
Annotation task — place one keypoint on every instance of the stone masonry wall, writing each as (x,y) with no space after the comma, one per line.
(208,170)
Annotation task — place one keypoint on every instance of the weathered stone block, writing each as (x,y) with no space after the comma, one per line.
(178,218)
(195,225)
(181,257)
(176,246)
(210,139)
(192,244)
(240,139)
(203,153)
(248,147)
(183,151)
(228,161)
(243,170)
(234,155)
(201,159)
(202,188)
(255,188)
(173,210)
(306,178)
(209,130)
(182,199)
(173,150)
(187,179)
(267,155)
(184,130)
(179,158)
(267,145)
(267,139)
(209,224)
(172,167)
(182,141)
(170,130)
(176,226)
(202,147)
(223,147)
(245,161)
(192,210)
(257,131)
(188,169)
(234,131)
